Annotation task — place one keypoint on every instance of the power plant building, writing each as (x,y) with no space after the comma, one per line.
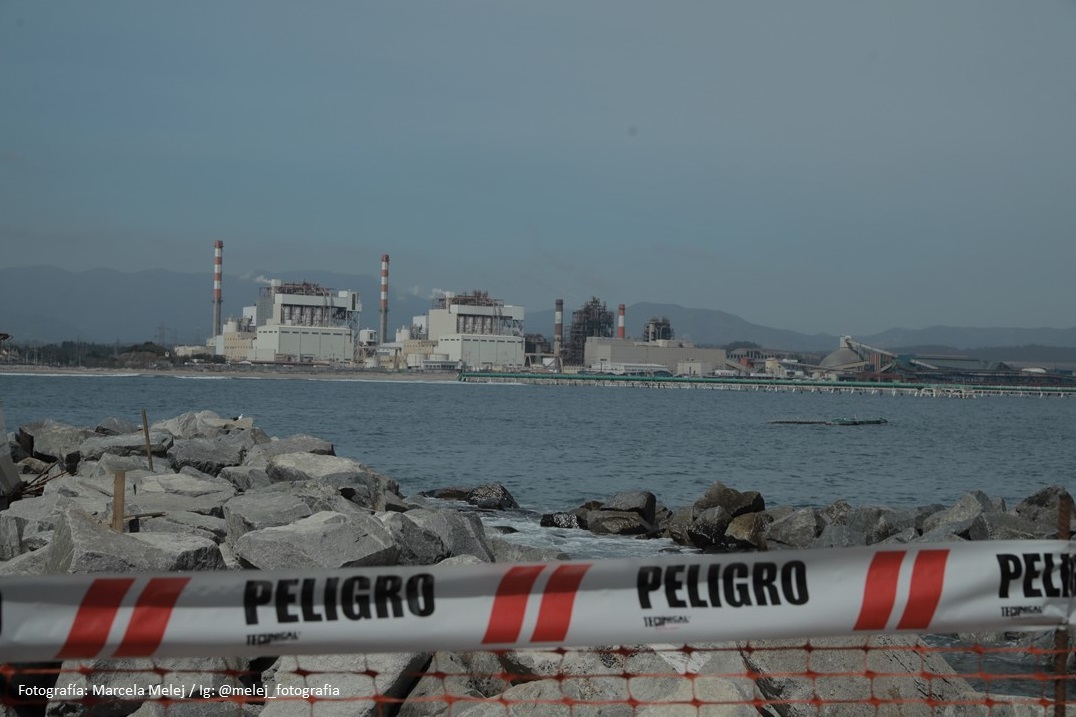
(475,331)
(681,358)
(304,323)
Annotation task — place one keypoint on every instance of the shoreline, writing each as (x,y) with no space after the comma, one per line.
(322,373)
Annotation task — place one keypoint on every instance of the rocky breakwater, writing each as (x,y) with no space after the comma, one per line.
(223,495)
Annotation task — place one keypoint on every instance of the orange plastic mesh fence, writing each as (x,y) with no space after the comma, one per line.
(996,674)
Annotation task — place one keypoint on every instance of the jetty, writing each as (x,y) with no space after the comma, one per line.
(776,385)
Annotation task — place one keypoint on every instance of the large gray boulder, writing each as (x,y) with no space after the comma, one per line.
(299,443)
(200,424)
(364,681)
(705,680)
(961,514)
(637,501)
(187,523)
(255,511)
(462,533)
(709,526)
(169,677)
(186,552)
(324,540)
(83,545)
(174,492)
(207,455)
(492,496)
(619,522)
(733,501)
(445,679)
(417,546)
(53,442)
(834,670)
(125,444)
(363,484)
(796,530)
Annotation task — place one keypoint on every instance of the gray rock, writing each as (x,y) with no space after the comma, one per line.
(493,496)
(542,698)
(563,520)
(1008,526)
(208,455)
(642,502)
(747,532)
(417,546)
(796,530)
(506,551)
(678,527)
(838,535)
(113,426)
(485,671)
(361,679)
(26,518)
(187,552)
(446,677)
(333,470)
(709,526)
(109,464)
(733,501)
(83,545)
(462,533)
(198,424)
(618,522)
(325,540)
(207,673)
(300,443)
(31,563)
(245,477)
(253,511)
(318,496)
(701,681)
(125,444)
(177,492)
(836,669)
(53,442)
(1042,507)
(969,507)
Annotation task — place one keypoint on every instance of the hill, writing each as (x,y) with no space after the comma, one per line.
(47,305)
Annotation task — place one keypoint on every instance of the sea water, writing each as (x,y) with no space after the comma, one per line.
(554,447)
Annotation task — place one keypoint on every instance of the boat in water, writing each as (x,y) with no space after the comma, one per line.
(836,422)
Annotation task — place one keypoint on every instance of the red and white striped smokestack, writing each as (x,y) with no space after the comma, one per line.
(558,327)
(218,250)
(383,336)
(620,322)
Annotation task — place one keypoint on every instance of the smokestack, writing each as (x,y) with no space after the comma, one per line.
(383,336)
(558,328)
(218,250)
(620,322)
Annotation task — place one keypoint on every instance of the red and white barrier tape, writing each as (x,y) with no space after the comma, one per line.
(957,587)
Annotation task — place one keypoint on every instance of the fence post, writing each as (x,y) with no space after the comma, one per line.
(119,487)
(145,431)
(1061,637)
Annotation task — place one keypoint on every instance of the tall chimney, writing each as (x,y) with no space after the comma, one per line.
(620,322)
(558,328)
(218,250)
(383,336)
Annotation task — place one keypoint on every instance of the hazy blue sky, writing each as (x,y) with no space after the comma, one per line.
(821,166)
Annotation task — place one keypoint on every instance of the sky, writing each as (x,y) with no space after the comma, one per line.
(838,167)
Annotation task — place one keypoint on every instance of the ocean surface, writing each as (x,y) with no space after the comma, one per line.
(555,447)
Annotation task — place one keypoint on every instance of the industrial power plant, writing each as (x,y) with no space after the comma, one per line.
(302,323)
(305,324)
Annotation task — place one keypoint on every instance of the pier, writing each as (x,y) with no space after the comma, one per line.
(777,385)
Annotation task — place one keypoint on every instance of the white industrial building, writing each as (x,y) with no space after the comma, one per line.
(294,323)
(471,331)
(680,358)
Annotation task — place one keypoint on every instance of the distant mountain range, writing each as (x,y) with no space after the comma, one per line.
(49,305)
